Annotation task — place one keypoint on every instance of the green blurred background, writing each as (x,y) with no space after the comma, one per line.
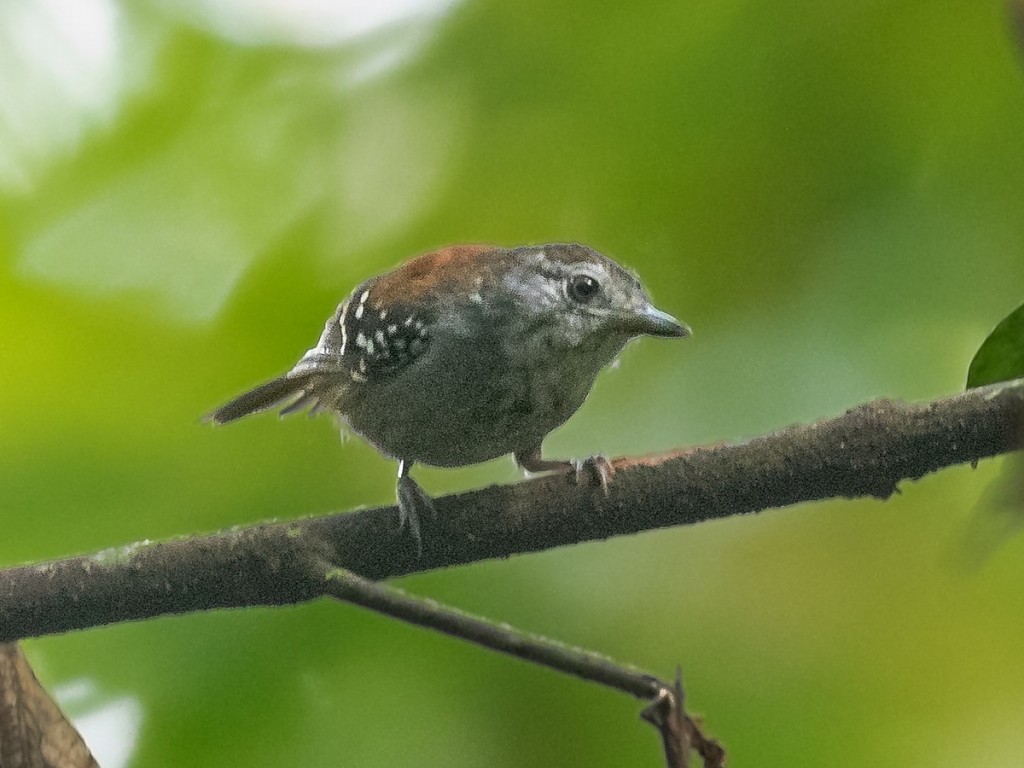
(830,193)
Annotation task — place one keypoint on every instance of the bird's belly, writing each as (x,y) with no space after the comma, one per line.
(465,411)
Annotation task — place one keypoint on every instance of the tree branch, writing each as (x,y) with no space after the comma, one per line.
(865,452)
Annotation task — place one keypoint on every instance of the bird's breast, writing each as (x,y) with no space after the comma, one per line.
(472,398)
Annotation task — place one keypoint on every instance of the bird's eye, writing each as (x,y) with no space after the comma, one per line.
(582,288)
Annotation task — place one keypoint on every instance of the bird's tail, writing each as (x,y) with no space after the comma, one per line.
(305,389)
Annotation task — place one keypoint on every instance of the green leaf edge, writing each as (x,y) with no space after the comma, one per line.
(1001,356)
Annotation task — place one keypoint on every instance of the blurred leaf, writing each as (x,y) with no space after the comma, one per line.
(1001,355)
(1016,8)
(998,516)
(33,731)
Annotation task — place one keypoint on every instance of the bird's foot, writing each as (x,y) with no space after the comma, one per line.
(598,467)
(413,502)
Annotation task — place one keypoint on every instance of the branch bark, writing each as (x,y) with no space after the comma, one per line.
(865,452)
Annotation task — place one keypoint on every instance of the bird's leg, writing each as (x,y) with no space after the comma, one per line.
(600,468)
(412,500)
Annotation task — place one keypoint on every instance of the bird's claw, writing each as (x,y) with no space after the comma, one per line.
(412,501)
(599,468)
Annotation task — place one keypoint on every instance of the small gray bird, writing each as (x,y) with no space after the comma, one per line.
(465,354)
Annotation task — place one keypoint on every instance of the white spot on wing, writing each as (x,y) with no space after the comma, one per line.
(341,324)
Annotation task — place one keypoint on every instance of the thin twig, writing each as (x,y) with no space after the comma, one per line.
(423,612)
(679,732)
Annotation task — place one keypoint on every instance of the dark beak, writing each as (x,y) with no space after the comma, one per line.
(653,322)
